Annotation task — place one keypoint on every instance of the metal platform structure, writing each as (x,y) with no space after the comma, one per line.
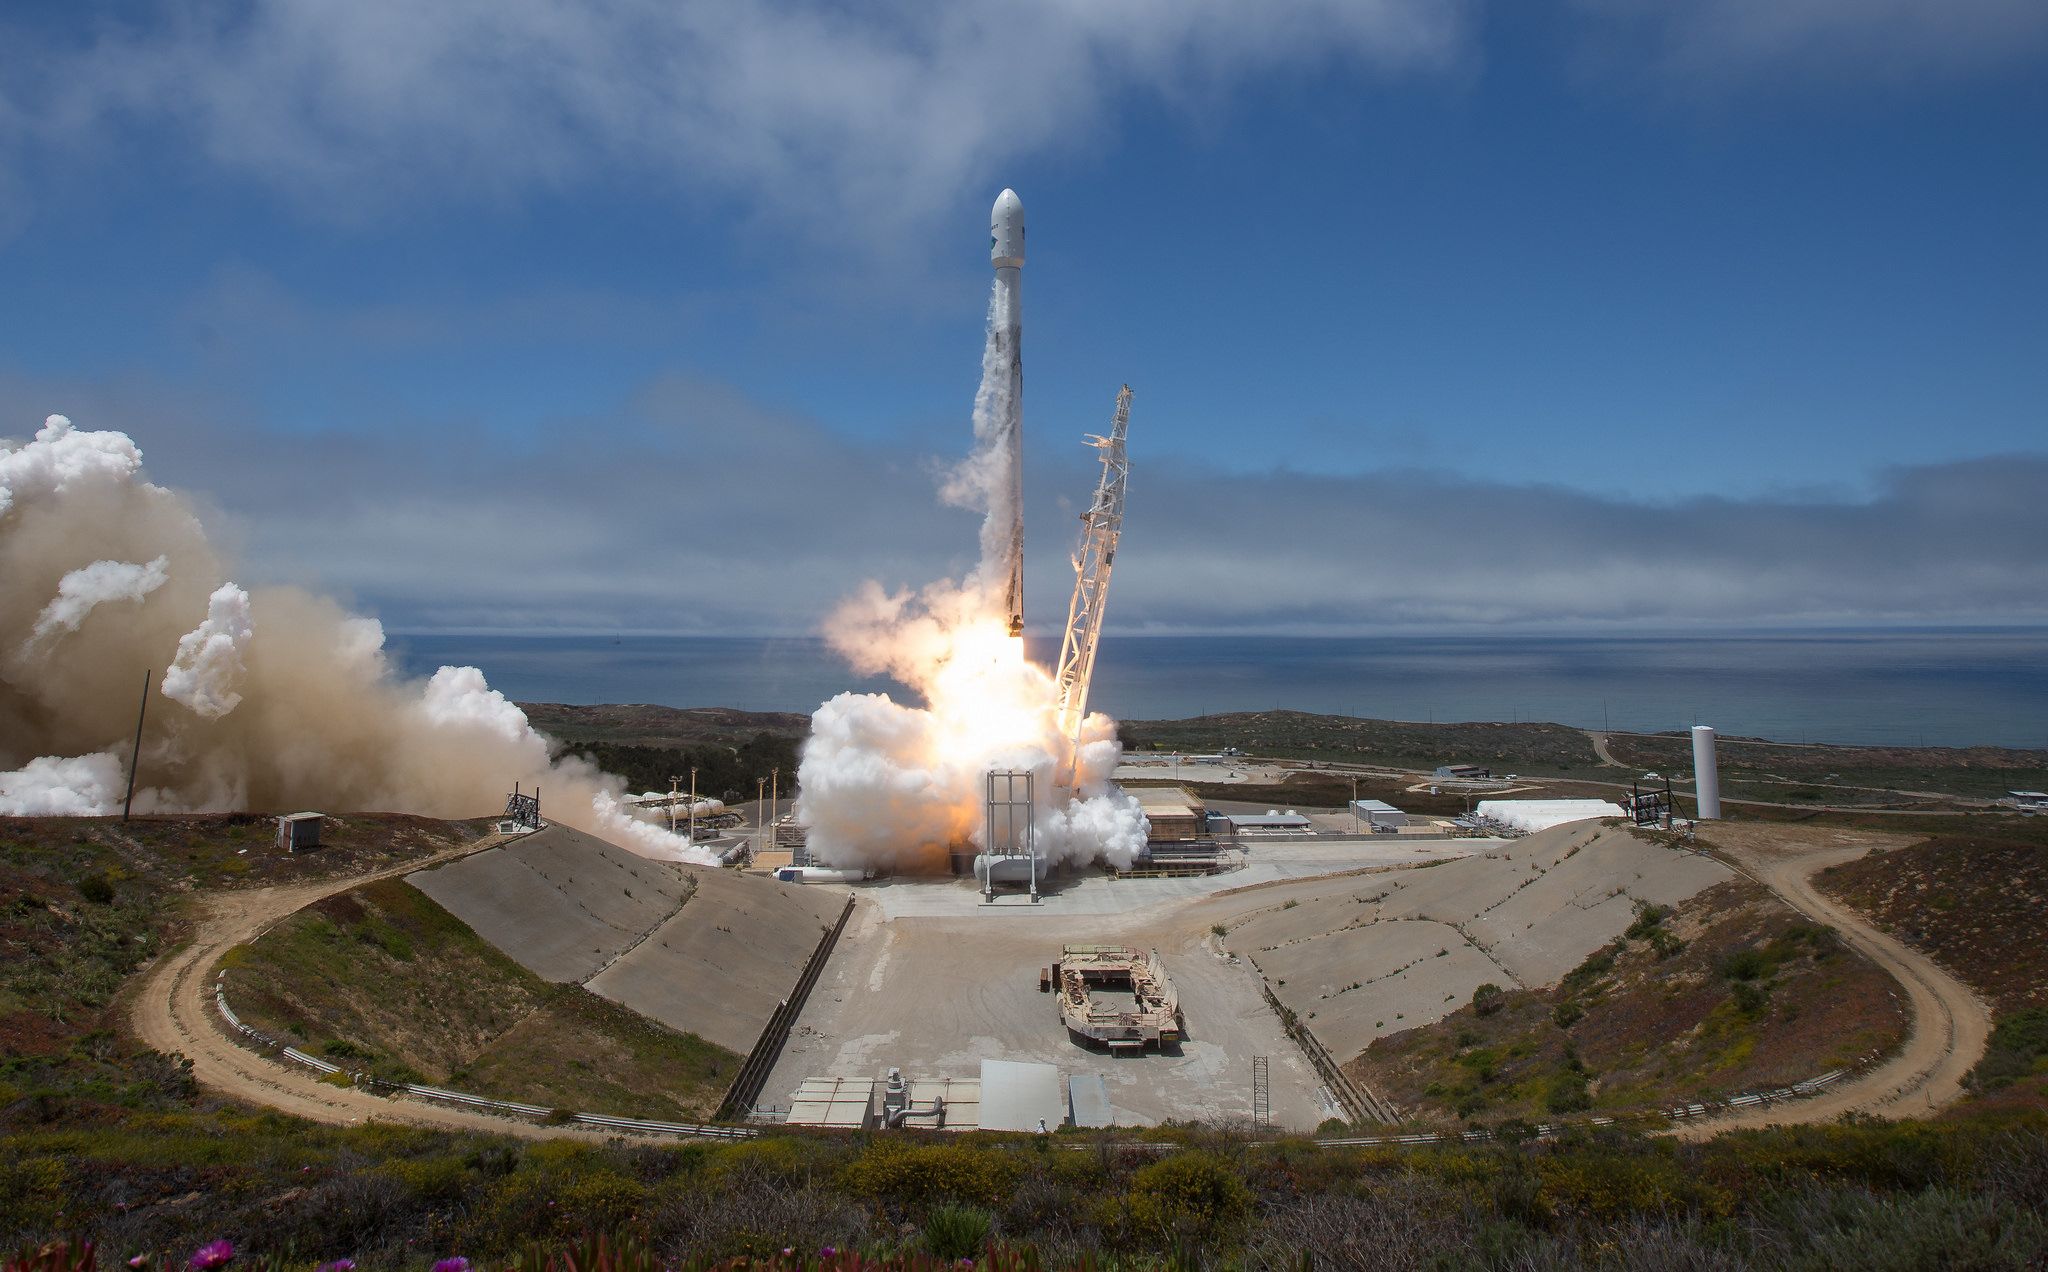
(1101,526)
(1115,995)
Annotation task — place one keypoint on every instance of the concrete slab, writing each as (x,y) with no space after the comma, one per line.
(560,902)
(720,966)
(1021,1096)
(1524,912)
(937,995)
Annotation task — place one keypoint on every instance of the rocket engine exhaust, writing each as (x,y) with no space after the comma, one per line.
(899,786)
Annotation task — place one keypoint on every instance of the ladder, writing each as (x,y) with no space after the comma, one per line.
(1262,1098)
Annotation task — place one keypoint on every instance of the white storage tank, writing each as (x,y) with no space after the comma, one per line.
(1706,773)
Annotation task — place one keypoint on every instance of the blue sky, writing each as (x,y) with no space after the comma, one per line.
(1380,272)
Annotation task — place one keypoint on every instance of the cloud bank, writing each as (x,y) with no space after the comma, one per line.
(782,517)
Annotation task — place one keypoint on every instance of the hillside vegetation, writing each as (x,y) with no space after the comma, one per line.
(1552,750)
(1979,906)
(1985,772)
(381,979)
(101,1138)
(84,901)
(1731,992)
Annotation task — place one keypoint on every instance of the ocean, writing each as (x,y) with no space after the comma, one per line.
(1957,687)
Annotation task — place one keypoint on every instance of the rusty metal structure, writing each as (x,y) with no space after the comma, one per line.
(1116,996)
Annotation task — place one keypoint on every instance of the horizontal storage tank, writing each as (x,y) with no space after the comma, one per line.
(988,870)
(820,874)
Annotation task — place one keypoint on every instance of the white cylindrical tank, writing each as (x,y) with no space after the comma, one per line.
(819,874)
(991,870)
(1706,773)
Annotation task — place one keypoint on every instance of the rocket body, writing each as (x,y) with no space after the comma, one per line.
(1006,254)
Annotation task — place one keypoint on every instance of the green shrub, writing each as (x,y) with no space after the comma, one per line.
(957,1232)
(1486,999)
(1649,919)
(893,1170)
(1189,1194)
(1746,965)
(1567,1093)
(1567,1014)
(97,889)
(1750,996)
(2018,1047)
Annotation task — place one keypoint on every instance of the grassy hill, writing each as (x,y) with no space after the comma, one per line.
(1550,750)
(381,979)
(1979,906)
(640,724)
(1765,770)
(102,1138)
(1733,992)
(84,901)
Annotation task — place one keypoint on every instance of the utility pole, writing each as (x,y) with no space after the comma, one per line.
(673,783)
(135,756)
(1355,827)
(693,804)
(760,812)
(775,790)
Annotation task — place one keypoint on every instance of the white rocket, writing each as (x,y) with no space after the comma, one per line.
(1006,253)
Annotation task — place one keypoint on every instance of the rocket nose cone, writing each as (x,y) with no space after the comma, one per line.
(1006,230)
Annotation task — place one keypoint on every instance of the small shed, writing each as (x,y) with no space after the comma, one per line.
(296,831)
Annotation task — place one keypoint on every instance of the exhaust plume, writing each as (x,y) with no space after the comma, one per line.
(895,786)
(281,699)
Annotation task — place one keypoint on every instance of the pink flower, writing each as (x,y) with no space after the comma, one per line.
(339,1265)
(456,1264)
(214,1254)
(139,1261)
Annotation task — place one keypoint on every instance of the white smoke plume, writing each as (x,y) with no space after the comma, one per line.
(209,661)
(92,585)
(272,698)
(894,786)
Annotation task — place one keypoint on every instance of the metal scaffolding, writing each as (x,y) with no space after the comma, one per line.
(1101,525)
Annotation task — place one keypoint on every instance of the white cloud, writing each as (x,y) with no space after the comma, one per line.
(834,118)
(690,508)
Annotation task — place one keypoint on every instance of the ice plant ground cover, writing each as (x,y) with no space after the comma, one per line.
(598,1254)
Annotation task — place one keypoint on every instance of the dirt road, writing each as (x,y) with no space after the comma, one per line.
(171,1009)
(1950,1025)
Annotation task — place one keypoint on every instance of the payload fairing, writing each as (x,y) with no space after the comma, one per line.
(1006,253)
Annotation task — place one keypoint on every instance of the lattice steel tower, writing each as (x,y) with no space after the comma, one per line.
(1100,527)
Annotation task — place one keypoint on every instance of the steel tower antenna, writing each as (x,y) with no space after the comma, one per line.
(1100,527)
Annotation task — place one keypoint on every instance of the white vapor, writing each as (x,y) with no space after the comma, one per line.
(276,698)
(896,787)
(89,586)
(874,115)
(209,660)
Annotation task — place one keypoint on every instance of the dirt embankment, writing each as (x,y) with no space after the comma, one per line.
(381,979)
(1978,905)
(1732,991)
(170,1008)
(1950,1024)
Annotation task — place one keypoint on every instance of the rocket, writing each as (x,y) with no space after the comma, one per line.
(1006,253)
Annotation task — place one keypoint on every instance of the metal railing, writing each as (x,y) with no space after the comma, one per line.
(753,1075)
